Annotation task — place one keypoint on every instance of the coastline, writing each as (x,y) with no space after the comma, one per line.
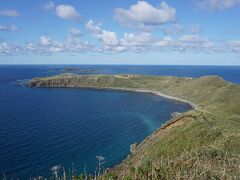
(176,140)
(213,104)
(158,93)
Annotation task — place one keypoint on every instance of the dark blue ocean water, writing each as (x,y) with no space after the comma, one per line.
(40,128)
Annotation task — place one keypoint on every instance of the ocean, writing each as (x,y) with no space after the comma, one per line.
(41,128)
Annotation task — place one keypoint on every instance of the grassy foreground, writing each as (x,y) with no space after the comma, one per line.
(203,143)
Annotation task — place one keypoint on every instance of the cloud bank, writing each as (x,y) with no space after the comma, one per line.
(142,16)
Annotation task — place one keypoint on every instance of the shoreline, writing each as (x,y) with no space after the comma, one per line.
(210,101)
(157,93)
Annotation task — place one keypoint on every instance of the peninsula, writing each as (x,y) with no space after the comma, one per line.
(201,143)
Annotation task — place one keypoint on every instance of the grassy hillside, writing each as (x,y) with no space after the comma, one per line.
(199,144)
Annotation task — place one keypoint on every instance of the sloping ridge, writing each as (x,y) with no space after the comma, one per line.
(209,92)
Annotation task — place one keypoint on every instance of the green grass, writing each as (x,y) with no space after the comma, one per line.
(199,149)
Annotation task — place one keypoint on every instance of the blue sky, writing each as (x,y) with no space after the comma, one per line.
(194,32)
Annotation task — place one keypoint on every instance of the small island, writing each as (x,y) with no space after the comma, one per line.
(201,143)
(79,70)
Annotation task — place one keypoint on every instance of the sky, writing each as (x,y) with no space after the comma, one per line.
(170,32)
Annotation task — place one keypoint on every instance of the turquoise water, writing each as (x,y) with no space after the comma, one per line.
(40,127)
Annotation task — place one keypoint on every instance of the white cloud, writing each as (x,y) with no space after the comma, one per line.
(107,38)
(233,45)
(63,11)
(74,32)
(144,41)
(195,43)
(131,39)
(9,12)
(67,12)
(47,45)
(109,42)
(144,15)
(217,4)
(166,43)
(137,43)
(8,48)
(93,28)
(193,39)
(12,27)
(49,6)
(45,41)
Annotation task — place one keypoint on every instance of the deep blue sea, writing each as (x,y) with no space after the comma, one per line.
(41,127)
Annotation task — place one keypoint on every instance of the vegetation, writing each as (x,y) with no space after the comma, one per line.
(60,173)
(200,144)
